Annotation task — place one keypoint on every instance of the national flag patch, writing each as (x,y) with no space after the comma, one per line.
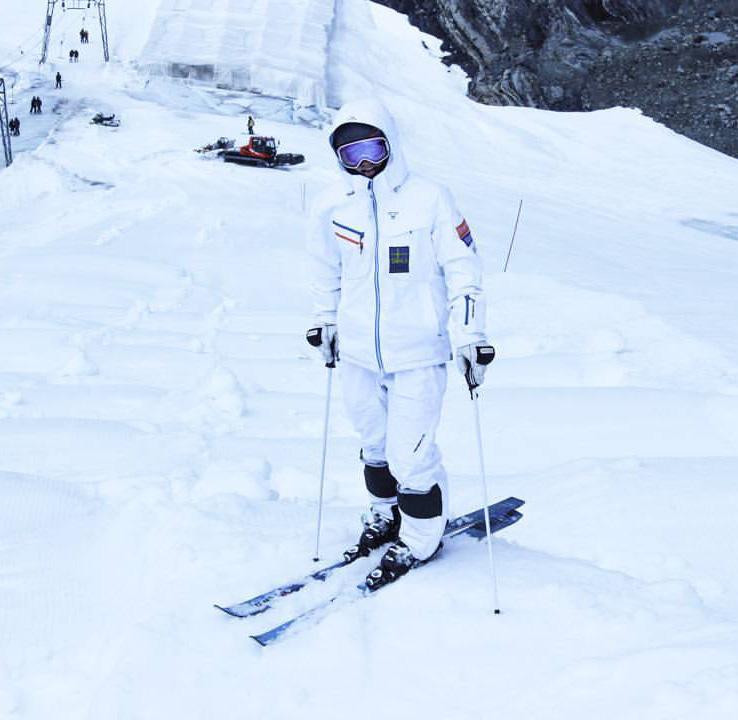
(399,259)
(348,234)
(464,233)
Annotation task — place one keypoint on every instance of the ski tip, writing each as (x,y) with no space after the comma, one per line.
(258,640)
(513,501)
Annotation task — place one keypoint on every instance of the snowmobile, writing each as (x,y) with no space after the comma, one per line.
(261,152)
(222,143)
(105,120)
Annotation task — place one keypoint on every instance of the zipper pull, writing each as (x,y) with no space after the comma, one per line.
(361,247)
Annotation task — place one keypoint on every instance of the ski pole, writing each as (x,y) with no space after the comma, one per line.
(490,552)
(315,338)
(329,382)
(484,356)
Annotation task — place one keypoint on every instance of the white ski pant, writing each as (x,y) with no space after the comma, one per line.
(396,416)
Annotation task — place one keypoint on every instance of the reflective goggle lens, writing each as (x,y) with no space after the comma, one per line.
(375,150)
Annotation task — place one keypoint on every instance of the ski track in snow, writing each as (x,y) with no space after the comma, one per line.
(161,414)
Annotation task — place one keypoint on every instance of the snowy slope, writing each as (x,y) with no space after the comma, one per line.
(160,413)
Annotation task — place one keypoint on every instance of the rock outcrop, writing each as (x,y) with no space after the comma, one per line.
(677,60)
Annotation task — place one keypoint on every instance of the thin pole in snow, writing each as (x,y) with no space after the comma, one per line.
(483,475)
(515,230)
(322,463)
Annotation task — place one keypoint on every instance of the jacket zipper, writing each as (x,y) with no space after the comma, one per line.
(377,306)
(359,242)
(470,304)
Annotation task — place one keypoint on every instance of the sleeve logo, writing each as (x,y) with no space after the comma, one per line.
(464,233)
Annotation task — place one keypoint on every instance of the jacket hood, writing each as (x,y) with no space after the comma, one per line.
(372,112)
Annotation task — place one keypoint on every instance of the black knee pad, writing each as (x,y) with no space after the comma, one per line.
(422,505)
(379,481)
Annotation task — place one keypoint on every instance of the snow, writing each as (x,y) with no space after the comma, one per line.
(161,413)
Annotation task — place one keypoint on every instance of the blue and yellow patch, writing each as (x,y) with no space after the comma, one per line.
(399,259)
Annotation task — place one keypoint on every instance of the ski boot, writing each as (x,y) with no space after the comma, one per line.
(378,530)
(396,562)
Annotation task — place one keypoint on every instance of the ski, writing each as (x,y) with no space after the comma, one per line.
(261,603)
(265,601)
(502,515)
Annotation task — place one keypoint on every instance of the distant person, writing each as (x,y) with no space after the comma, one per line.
(33,105)
(58,81)
(39,104)
(71,56)
(76,56)
(82,36)
(250,124)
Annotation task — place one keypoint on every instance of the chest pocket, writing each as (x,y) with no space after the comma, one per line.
(352,242)
(407,251)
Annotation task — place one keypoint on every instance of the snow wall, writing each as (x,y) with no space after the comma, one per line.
(272,47)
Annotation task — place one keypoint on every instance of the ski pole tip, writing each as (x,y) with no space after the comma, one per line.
(497,611)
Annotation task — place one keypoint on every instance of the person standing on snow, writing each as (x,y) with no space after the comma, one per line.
(393,262)
(58,81)
(250,125)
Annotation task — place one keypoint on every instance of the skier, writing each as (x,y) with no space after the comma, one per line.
(34,105)
(39,105)
(393,261)
(250,124)
(58,81)
(82,36)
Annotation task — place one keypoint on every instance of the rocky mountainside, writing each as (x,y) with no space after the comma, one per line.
(677,60)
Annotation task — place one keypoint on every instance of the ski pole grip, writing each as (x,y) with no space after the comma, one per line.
(332,363)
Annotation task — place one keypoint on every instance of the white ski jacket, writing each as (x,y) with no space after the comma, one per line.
(392,260)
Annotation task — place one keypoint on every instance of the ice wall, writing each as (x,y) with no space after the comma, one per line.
(276,47)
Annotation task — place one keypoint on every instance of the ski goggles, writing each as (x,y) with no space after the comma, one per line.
(375,150)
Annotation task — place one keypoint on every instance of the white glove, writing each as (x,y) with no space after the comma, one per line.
(472,361)
(325,338)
